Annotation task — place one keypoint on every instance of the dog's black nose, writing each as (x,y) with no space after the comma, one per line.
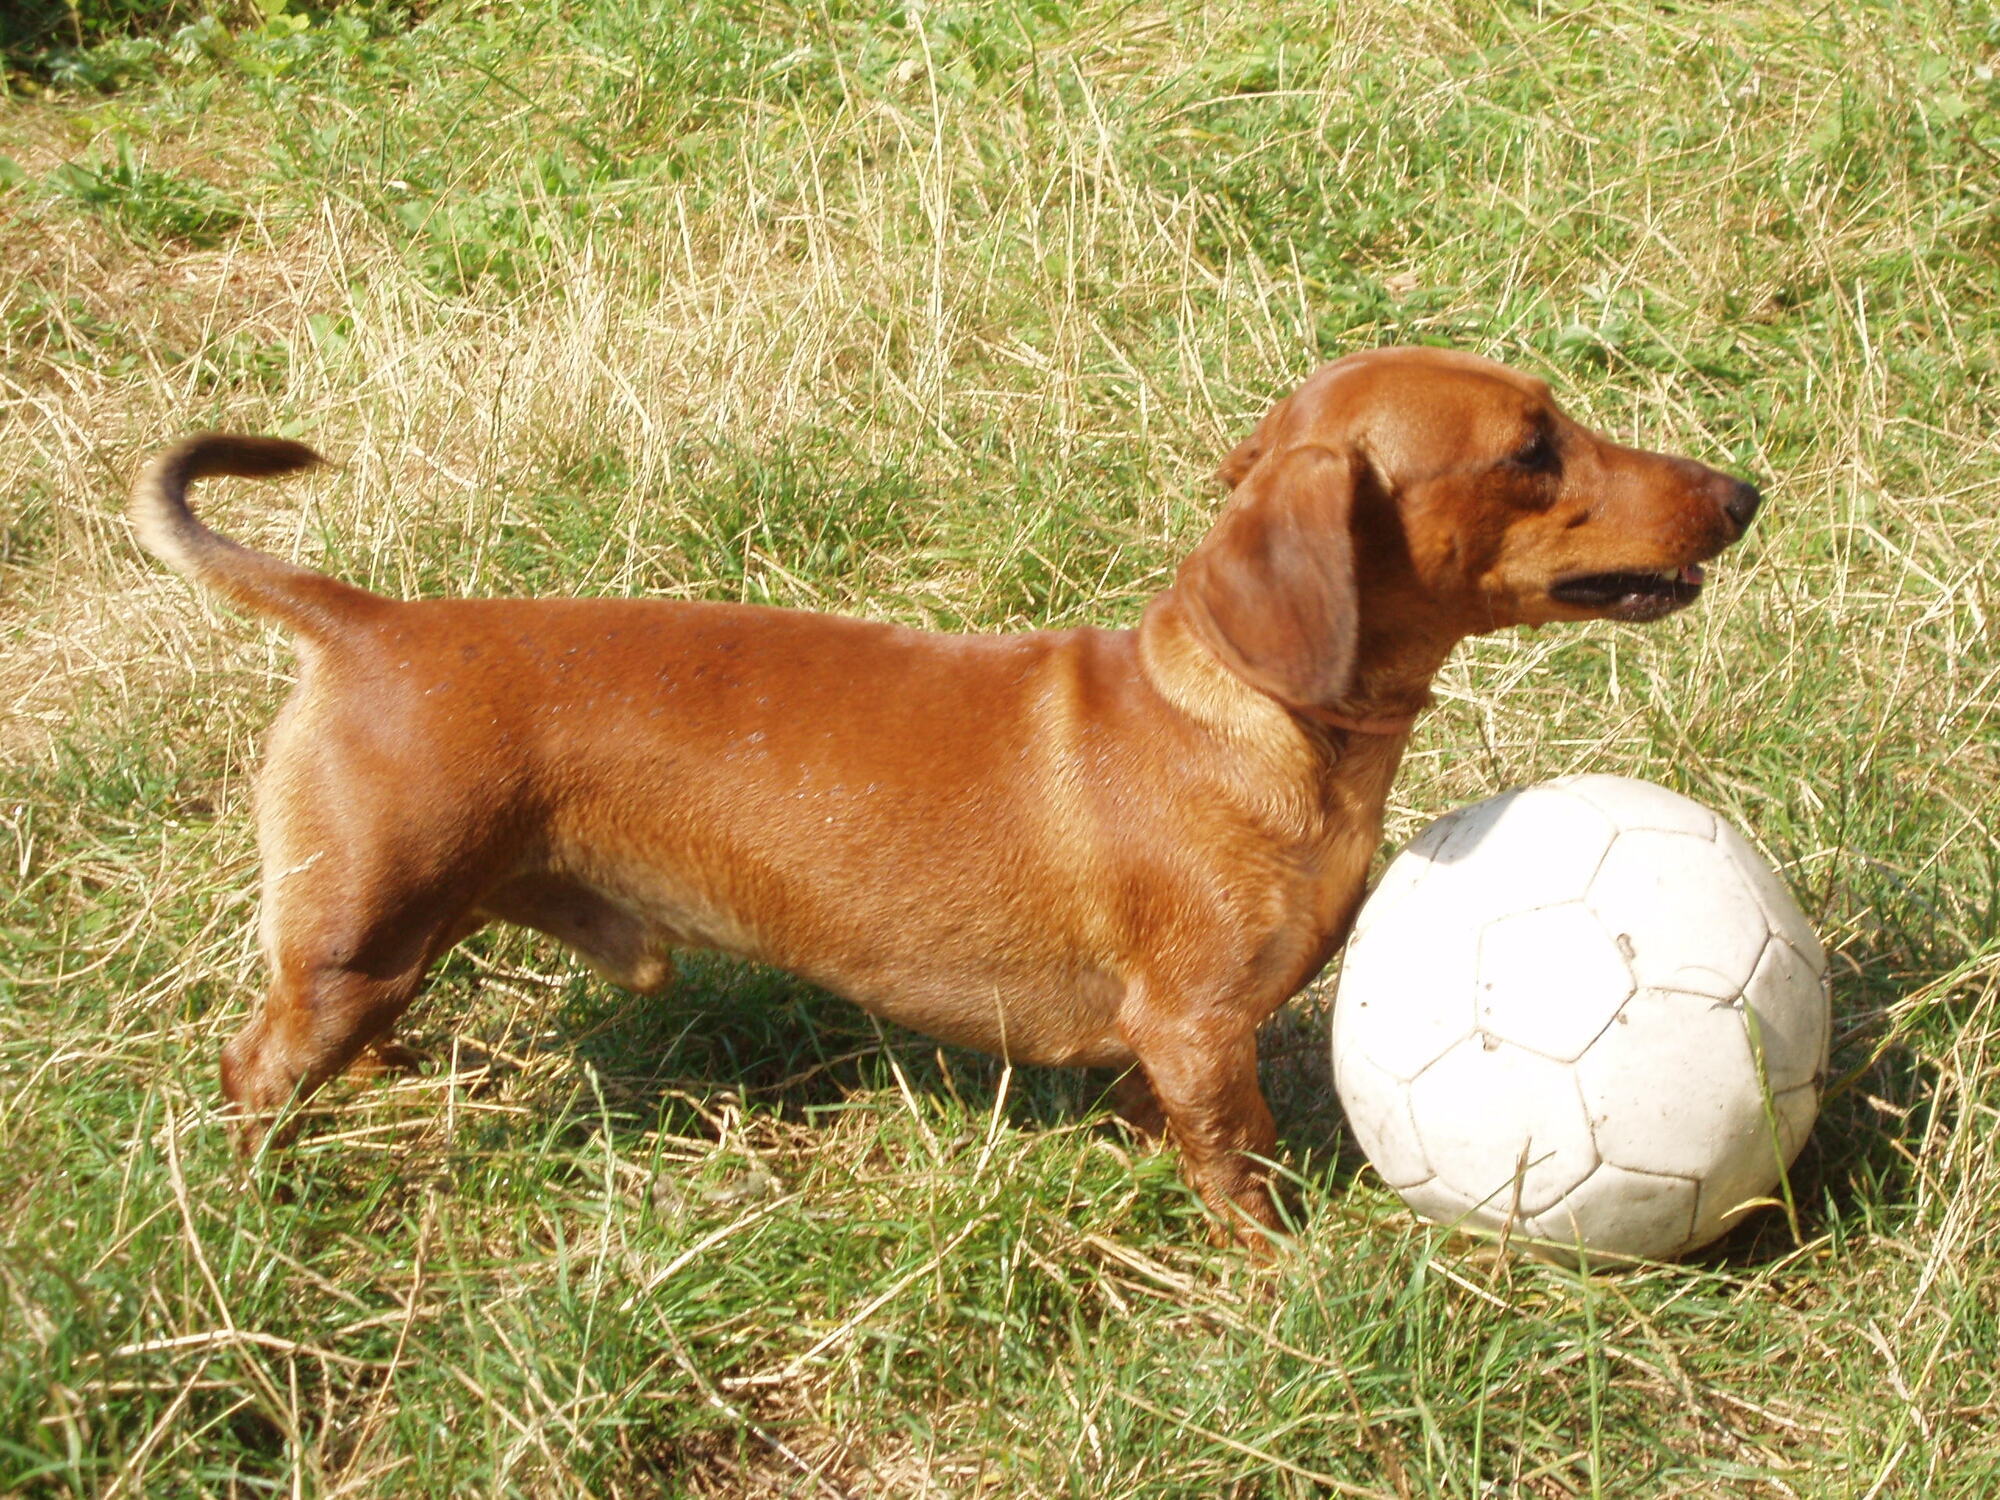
(1741,503)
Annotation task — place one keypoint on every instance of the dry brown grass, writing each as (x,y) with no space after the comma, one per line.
(951,335)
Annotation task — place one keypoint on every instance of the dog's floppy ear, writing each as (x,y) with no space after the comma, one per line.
(1271,589)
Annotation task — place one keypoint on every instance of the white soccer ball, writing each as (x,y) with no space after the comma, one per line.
(1586,1012)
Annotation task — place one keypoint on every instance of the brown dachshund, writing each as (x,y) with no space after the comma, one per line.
(1099,848)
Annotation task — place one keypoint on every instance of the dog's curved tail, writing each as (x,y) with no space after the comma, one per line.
(307,602)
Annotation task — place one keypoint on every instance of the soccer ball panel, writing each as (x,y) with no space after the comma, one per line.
(1378,1112)
(1392,890)
(1488,1113)
(1518,851)
(1406,992)
(1787,1016)
(1781,912)
(1633,804)
(1682,912)
(1670,1085)
(1550,980)
(1752,1172)
(1448,840)
(1617,1211)
(1435,1202)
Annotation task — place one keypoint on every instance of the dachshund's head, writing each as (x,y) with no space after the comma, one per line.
(1424,495)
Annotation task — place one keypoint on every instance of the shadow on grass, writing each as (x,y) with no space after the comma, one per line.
(738,1037)
(731,1034)
(777,1044)
(750,1058)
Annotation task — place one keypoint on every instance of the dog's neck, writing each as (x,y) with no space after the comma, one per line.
(1389,693)
(1316,784)
(1391,688)
(1351,723)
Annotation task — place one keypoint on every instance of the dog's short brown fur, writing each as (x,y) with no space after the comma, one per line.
(1108,848)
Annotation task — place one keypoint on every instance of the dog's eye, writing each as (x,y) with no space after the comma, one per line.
(1537,454)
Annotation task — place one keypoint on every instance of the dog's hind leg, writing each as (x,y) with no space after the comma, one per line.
(315,1020)
(361,896)
(347,957)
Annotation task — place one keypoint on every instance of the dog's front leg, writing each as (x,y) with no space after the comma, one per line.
(1202,1066)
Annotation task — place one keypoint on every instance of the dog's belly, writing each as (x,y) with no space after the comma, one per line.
(961,974)
(1025,1016)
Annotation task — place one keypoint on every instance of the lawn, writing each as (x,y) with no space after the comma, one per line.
(945,314)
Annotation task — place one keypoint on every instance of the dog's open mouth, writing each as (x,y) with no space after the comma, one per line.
(1632,596)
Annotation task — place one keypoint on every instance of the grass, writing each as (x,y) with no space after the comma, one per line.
(944,314)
